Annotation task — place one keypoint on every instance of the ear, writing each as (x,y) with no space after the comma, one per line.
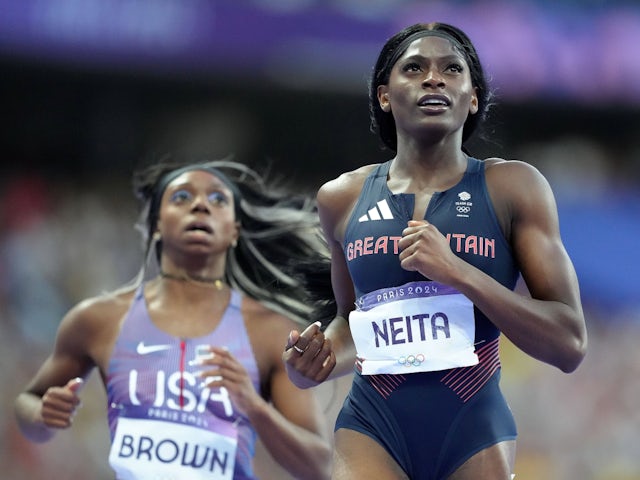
(474,104)
(236,235)
(156,236)
(383,98)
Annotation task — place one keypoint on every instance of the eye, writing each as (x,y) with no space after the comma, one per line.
(455,67)
(180,196)
(411,67)
(218,198)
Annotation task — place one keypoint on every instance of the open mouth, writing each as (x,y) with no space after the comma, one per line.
(199,227)
(434,101)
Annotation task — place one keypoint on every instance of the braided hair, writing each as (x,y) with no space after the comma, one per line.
(382,122)
(278,232)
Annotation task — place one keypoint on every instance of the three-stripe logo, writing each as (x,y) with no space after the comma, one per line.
(380,211)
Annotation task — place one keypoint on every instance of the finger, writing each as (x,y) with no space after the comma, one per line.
(408,264)
(210,355)
(226,362)
(221,351)
(232,379)
(61,397)
(57,418)
(409,248)
(417,223)
(57,422)
(211,381)
(75,384)
(58,407)
(327,366)
(316,345)
(311,330)
(224,365)
(203,352)
(307,336)
(292,356)
(293,337)
(409,237)
(413,226)
(317,362)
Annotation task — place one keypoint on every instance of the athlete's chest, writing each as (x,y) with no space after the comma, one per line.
(421,201)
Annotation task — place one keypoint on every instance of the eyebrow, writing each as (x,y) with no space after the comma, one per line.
(217,184)
(447,57)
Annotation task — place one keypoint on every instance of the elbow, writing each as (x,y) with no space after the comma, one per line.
(575,353)
(30,425)
(327,462)
(321,466)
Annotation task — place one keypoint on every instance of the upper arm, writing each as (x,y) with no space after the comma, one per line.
(70,356)
(535,233)
(336,200)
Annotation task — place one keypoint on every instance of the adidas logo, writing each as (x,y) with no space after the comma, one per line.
(380,212)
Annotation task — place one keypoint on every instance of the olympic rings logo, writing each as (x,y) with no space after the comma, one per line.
(411,360)
(463,209)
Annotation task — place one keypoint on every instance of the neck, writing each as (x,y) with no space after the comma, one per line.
(217,283)
(429,148)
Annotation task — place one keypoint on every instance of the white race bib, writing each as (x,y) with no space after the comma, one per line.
(417,327)
(153,449)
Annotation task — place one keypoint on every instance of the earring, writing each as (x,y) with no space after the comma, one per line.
(385,105)
(234,243)
(156,236)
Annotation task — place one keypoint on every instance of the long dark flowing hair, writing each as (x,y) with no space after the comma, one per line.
(279,231)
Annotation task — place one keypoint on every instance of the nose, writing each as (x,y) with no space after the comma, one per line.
(433,78)
(200,203)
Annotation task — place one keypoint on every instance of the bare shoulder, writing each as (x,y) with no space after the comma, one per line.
(92,325)
(521,196)
(499,168)
(344,187)
(260,320)
(100,308)
(337,198)
(513,178)
(267,331)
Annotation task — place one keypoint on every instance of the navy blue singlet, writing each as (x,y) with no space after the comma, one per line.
(431,422)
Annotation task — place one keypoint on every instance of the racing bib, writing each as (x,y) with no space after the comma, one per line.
(176,449)
(417,327)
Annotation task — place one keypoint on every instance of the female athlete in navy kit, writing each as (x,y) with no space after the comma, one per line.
(425,253)
(190,355)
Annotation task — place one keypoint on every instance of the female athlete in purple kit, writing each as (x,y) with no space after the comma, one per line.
(426,249)
(190,355)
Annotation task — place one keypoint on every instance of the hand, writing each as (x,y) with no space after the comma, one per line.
(308,356)
(424,249)
(59,404)
(226,371)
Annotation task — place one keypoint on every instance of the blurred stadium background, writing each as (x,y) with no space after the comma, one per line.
(90,89)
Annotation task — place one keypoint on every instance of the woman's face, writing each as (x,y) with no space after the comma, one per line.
(197,214)
(429,90)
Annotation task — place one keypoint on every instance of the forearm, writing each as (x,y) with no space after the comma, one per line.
(303,453)
(551,331)
(28,408)
(340,335)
